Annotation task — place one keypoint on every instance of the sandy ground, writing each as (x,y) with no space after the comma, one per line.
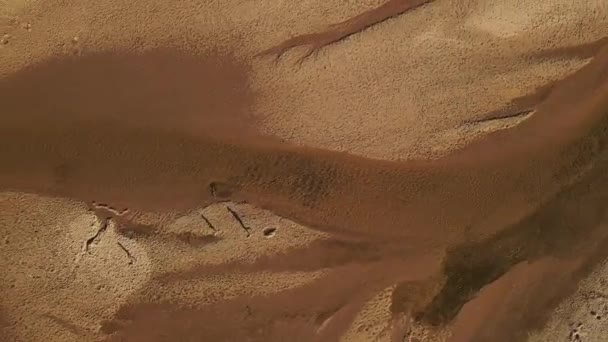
(186,171)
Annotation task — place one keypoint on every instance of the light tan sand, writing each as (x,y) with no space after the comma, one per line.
(428,65)
(435,69)
(50,281)
(418,85)
(582,316)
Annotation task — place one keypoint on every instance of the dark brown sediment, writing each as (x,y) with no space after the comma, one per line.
(2,321)
(139,132)
(4,333)
(85,153)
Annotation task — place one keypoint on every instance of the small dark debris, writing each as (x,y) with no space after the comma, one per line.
(129,255)
(574,336)
(240,221)
(132,230)
(102,228)
(269,232)
(593,313)
(209,224)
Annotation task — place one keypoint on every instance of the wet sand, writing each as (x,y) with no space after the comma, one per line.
(77,149)
(91,156)
(168,131)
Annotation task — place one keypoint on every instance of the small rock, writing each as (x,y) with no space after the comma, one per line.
(269,232)
(75,39)
(27,26)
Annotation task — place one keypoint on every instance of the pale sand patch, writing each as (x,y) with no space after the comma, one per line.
(373,321)
(8,9)
(583,314)
(66,290)
(52,275)
(213,288)
(51,282)
(233,244)
(511,18)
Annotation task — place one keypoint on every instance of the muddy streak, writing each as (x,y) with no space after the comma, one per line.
(110,128)
(496,184)
(339,31)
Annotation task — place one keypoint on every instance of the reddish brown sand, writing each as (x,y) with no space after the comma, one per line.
(168,131)
(91,142)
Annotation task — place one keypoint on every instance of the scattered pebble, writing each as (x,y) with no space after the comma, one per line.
(269,232)
(27,26)
(75,39)
(5,38)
